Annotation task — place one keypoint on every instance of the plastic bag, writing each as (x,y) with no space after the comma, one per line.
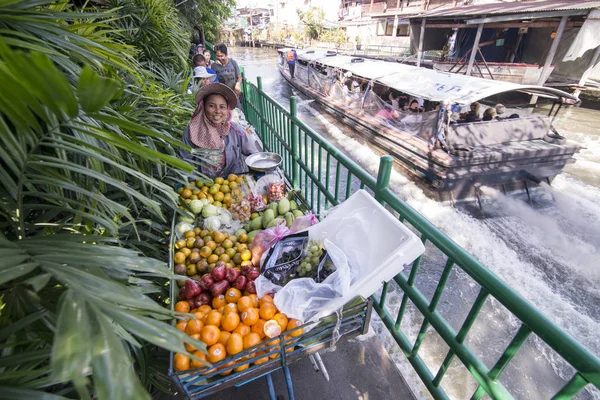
(267,238)
(304,222)
(303,298)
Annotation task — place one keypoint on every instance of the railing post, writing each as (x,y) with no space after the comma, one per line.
(261,110)
(244,95)
(294,131)
(383,176)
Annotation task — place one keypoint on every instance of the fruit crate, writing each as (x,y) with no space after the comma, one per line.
(276,354)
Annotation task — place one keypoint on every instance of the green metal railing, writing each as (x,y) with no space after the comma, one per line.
(310,162)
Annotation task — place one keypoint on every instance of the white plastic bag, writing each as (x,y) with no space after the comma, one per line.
(303,298)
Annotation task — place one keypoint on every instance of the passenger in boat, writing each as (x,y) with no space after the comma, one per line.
(489,114)
(513,116)
(214,137)
(414,106)
(387,113)
(227,69)
(354,96)
(291,60)
(500,110)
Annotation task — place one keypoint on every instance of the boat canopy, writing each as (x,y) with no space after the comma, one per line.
(426,83)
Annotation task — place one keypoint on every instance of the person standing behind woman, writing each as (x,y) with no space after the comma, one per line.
(292,56)
(207,56)
(227,70)
(213,135)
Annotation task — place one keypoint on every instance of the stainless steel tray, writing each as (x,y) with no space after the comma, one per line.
(263,161)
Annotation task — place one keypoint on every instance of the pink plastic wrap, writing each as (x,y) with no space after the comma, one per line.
(256,202)
(267,238)
(276,191)
(303,222)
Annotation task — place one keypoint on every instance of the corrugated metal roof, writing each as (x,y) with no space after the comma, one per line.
(511,8)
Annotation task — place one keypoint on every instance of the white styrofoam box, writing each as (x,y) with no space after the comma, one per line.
(377,245)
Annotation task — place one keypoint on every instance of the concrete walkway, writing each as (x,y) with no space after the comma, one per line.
(357,370)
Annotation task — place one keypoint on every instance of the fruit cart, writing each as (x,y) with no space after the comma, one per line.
(270,355)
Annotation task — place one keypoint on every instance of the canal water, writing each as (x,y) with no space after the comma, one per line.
(549,252)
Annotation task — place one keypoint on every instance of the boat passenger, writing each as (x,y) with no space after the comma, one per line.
(489,114)
(414,106)
(214,137)
(513,116)
(500,109)
(387,113)
(227,69)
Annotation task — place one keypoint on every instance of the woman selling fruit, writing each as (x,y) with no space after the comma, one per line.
(219,146)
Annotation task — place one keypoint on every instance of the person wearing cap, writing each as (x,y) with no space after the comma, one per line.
(219,146)
(500,110)
(201,78)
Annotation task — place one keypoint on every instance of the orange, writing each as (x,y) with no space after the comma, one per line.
(272,328)
(205,251)
(181,362)
(218,301)
(250,316)
(259,328)
(213,258)
(261,360)
(242,329)
(216,353)
(251,339)
(221,310)
(274,343)
(194,326)
(242,367)
(288,347)
(217,235)
(198,364)
(186,251)
(205,308)
(230,321)
(248,263)
(254,299)
(232,295)
(246,255)
(264,299)
(241,247)
(244,303)
(214,318)
(179,258)
(182,306)
(226,371)
(199,315)
(224,337)
(282,320)
(243,238)
(189,347)
(235,344)
(181,325)
(193,310)
(211,244)
(210,335)
(231,177)
(293,323)
(267,311)
(230,308)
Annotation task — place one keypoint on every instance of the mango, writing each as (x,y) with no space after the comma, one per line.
(267,217)
(273,206)
(293,205)
(253,233)
(283,206)
(297,213)
(289,219)
(240,232)
(256,223)
(275,222)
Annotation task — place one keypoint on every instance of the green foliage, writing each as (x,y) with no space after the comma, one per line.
(88,142)
(313,21)
(336,35)
(207,15)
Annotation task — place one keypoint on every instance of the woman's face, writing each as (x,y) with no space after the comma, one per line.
(207,55)
(215,108)
(414,105)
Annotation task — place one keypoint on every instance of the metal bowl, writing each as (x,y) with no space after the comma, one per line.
(263,161)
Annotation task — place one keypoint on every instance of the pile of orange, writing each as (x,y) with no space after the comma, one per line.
(201,250)
(234,323)
(222,192)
